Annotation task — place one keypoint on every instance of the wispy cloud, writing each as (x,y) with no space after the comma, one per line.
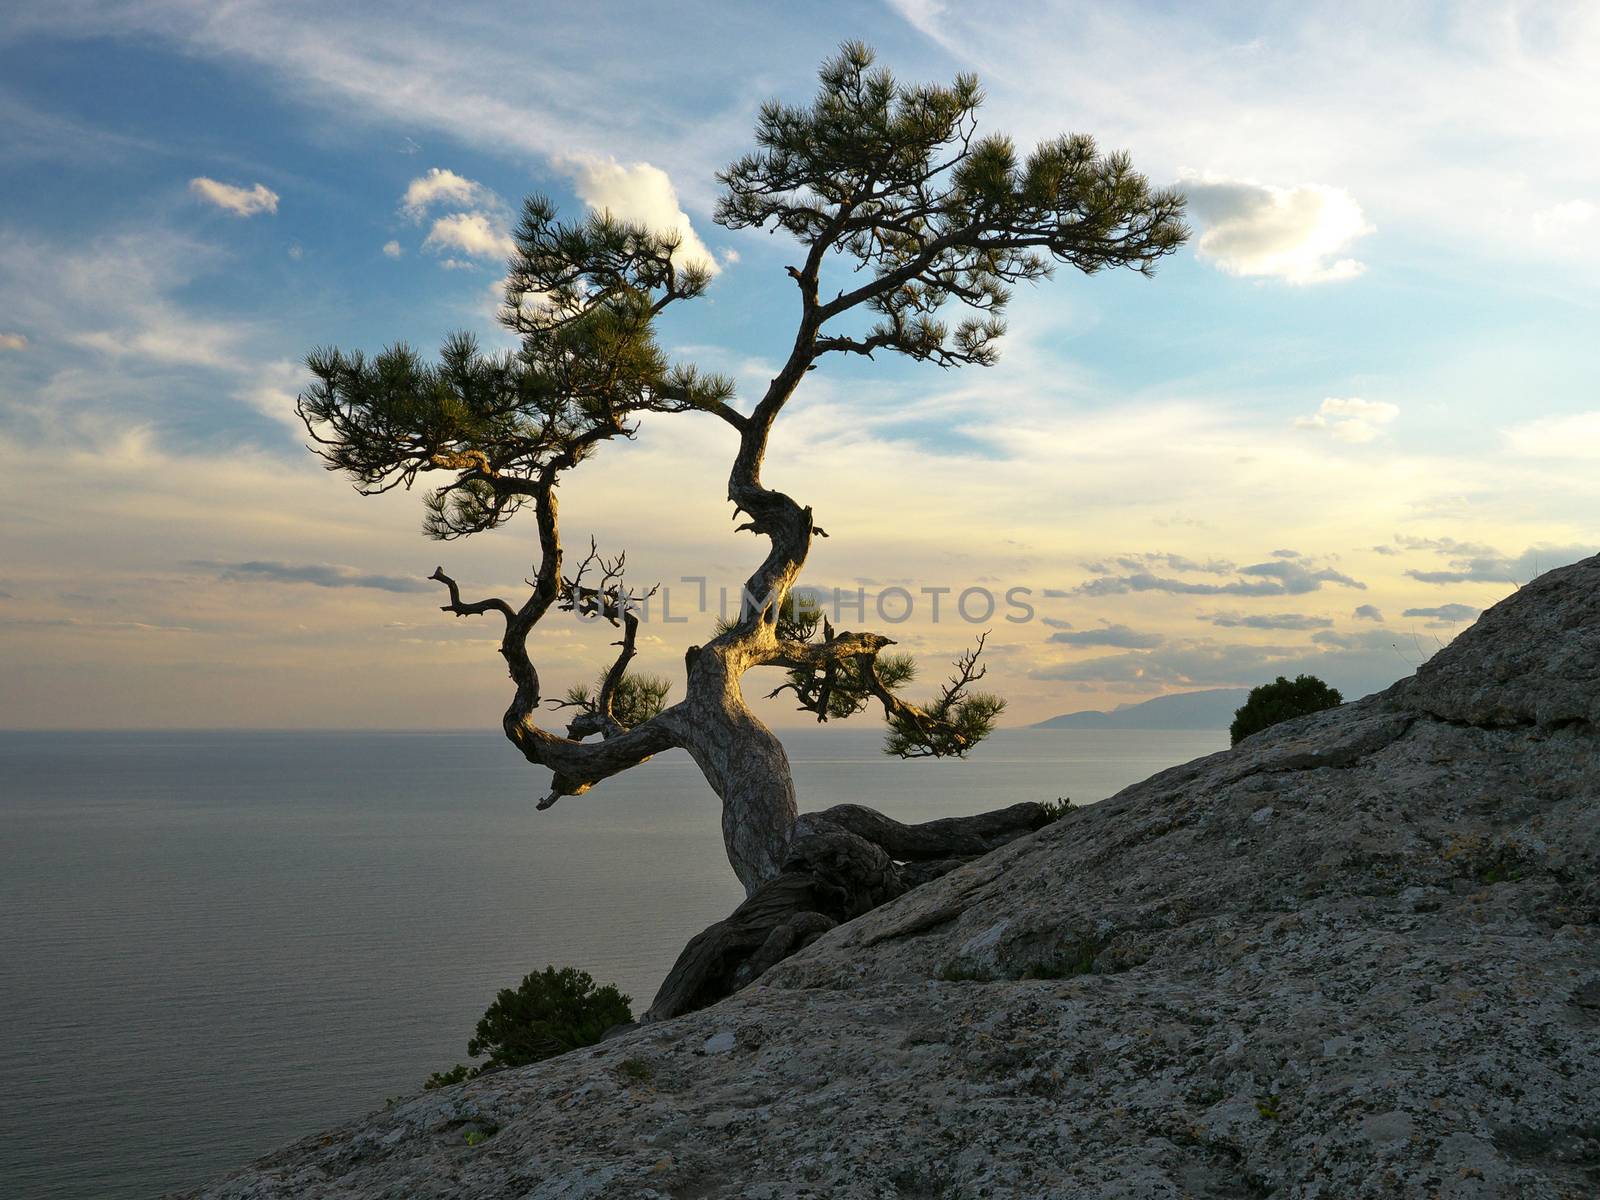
(1278,578)
(483,81)
(1445,614)
(324,575)
(1160,559)
(1356,664)
(131,425)
(1229,620)
(1571,435)
(1563,220)
(64,287)
(1109,635)
(13,341)
(1482,564)
(1307,93)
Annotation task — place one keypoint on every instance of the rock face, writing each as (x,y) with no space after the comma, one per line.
(1356,956)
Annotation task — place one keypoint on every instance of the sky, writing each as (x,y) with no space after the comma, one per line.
(1358,408)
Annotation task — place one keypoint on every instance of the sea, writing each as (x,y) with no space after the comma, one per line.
(213,943)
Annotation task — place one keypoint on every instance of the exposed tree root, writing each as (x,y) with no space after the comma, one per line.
(843,862)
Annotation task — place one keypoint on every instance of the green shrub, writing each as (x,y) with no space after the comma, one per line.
(1055,809)
(1281,700)
(456,1074)
(550,1012)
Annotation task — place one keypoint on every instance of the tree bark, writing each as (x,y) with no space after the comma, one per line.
(744,763)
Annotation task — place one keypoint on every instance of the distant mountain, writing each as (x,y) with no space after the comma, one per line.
(1188,710)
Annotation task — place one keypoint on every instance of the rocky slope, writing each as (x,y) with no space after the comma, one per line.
(1358,956)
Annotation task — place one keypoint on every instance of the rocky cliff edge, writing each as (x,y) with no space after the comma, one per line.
(1356,956)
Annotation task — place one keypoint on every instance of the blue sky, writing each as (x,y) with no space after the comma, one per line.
(1377,353)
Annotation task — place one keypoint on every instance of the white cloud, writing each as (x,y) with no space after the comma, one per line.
(445,189)
(532,305)
(1309,92)
(1576,435)
(272,390)
(1352,419)
(13,341)
(475,234)
(171,338)
(479,230)
(241,202)
(1562,220)
(1291,233)
(148,349)
(1285,93)
(643,193)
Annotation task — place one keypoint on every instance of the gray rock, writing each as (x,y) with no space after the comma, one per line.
(1356,956)
(1534,659)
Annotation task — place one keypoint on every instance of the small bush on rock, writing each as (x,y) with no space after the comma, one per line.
(1281,700)
(550,1012)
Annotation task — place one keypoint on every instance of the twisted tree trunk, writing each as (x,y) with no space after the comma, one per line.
(744,763)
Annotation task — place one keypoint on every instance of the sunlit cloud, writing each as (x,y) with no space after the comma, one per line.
(1307,94)
(476,234)
(443,188)
(241,202)
(1298,234)
(1351,419)
(1573,435)
(642,193)
(1137,491)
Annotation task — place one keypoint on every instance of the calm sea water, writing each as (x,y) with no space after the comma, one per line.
(213,943)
